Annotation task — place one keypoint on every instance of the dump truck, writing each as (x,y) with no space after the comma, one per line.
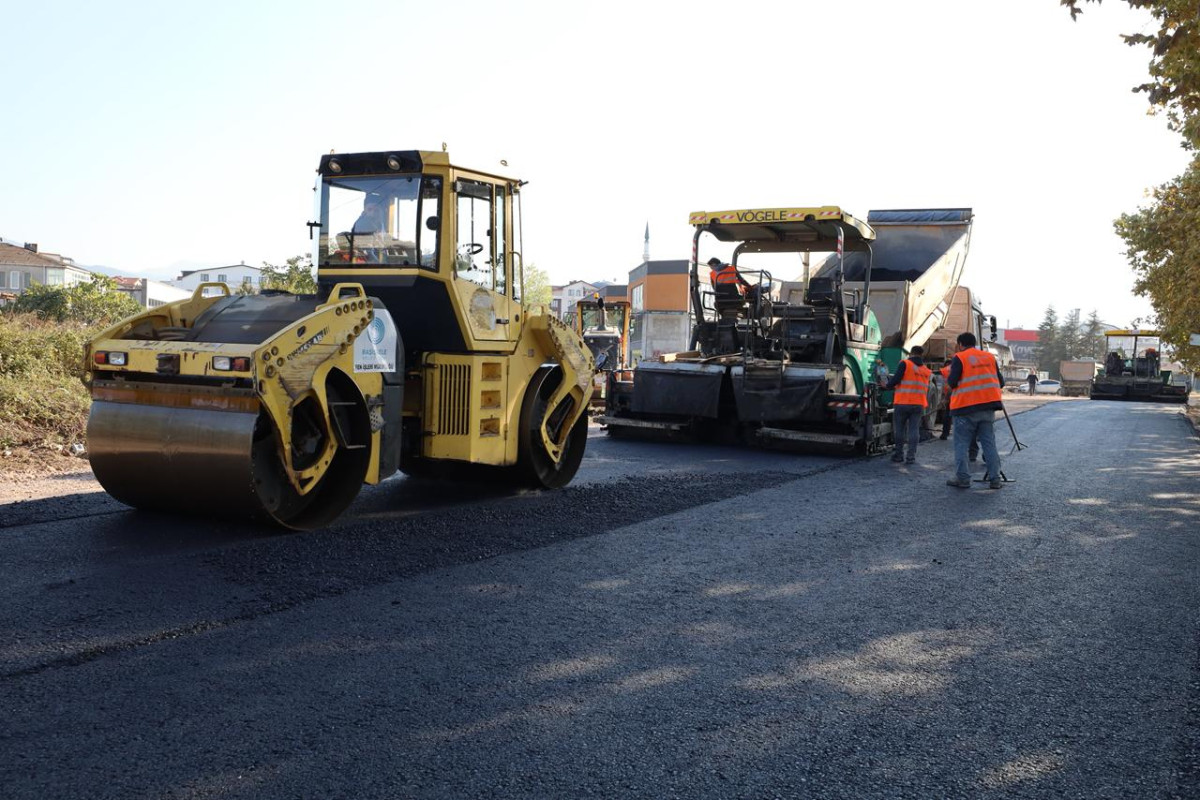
(416,353)
(919,259)
(1133,370)
(1076,377)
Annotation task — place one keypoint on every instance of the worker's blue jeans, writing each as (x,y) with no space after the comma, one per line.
(906,427)
(966,428)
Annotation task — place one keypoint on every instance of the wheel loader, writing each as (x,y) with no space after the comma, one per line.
(417,353)
(604,326)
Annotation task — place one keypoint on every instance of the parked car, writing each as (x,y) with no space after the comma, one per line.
(1048,387)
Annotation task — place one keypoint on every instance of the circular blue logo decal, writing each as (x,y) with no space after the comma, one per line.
(376,331)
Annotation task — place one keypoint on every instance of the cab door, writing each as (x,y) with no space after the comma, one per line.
(483,260)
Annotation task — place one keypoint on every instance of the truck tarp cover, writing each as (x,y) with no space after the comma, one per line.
(905,252)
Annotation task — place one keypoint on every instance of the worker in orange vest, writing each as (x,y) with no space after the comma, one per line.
(911,383)
(975,383)
(727,282)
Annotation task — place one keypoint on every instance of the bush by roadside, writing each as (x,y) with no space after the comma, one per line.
(43,403)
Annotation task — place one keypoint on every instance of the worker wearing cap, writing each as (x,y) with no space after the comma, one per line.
(726,281)
(911,383)
(975,383)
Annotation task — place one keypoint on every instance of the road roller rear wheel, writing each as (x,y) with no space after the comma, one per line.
(535,466)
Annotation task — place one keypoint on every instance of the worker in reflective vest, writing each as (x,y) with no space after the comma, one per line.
(975,382)
(911,383)
(726,281)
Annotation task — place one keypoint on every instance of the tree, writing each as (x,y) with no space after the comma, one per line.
(1164,251)
(1174,86)
(96,302)
(1093,338)
(1047,347)
(1068,338)
(1160,242)
(537,287)
(296,277)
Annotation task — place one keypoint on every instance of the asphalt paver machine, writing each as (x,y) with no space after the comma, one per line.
(769,368)
(1133,370)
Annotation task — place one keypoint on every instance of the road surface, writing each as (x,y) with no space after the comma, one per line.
(681,621)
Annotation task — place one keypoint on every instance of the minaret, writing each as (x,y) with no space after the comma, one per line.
(646,249)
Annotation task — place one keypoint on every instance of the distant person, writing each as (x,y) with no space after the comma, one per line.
(1032,379)
(911,383)
(975,383)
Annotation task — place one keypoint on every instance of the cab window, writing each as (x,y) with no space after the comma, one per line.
(473,257)
(501,243)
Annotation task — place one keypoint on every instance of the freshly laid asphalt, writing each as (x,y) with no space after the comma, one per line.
(682,621)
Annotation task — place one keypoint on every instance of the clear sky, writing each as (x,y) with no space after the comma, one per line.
(152,137)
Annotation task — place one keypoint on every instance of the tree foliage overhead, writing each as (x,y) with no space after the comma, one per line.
(1174,85)
(1160,239)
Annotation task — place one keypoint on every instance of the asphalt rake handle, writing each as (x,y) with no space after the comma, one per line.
(1016,442)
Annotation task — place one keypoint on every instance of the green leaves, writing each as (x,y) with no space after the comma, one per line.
(1163,246)
(1163,240)
(296,276)
(537,287)
(93,303)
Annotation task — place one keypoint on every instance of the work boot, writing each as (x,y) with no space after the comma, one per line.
(910,460)
(957,484)
(897,457)
(995,483)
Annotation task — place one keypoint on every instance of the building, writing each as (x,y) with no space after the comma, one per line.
(235,276)
(563,298)
(659,305)
(614,292)
(151,294)
(22,266)
(1022,343)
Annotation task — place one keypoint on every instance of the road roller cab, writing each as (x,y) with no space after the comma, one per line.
(417,352)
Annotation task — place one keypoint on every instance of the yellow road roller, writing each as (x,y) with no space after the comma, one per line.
(417,353)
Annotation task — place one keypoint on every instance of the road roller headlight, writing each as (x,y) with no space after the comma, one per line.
(231,364)
(110,357)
